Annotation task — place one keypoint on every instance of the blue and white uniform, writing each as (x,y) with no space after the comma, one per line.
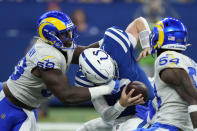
(120,46)
(28,88)
(171,109)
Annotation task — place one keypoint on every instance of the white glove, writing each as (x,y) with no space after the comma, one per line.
(111,88)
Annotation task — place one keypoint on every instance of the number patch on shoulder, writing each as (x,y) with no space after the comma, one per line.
(165,60)
(46,64)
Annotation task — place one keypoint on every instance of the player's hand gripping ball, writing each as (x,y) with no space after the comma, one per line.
(140,88)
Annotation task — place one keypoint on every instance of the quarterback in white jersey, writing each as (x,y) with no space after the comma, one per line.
(41,73)
(175,80)
(115,110)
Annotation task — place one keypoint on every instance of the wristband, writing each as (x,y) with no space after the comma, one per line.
(192,108)
(144,38)
(98,91)
(144,35)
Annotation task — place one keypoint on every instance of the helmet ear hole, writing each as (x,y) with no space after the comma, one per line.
(155,41)
(49,36)
(166,24)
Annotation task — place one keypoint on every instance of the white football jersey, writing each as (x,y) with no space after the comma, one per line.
(171,108)
(28,88)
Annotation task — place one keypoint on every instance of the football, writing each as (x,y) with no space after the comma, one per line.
(140,88)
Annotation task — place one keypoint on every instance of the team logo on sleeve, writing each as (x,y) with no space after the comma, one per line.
(45,63)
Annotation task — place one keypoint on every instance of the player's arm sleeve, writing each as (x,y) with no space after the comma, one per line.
(180,81)
(107,113)
(173,71)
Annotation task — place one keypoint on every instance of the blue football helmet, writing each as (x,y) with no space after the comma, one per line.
(169,33)
(57,29)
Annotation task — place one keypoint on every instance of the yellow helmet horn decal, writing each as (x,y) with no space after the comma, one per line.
(50,21)
(56,22)
(41,26)
(160,26)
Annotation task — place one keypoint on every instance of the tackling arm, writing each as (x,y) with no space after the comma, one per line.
(182,83)
(59,85)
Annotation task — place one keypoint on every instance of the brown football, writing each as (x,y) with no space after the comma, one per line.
(140,88)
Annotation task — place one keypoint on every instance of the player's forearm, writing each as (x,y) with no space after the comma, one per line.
(142,25)
(110,114)
(107,113)
(140,29)
(138,25)
(73,95)
(114,112)
(76,95)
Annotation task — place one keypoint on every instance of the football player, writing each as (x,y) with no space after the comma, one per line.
(175,80)
(116,109)
(41,73)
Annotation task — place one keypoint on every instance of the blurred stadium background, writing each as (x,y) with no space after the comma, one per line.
(92,17)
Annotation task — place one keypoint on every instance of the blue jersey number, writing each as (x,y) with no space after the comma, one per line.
(165,60)
(192,73)
(19,69)
(46,64)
